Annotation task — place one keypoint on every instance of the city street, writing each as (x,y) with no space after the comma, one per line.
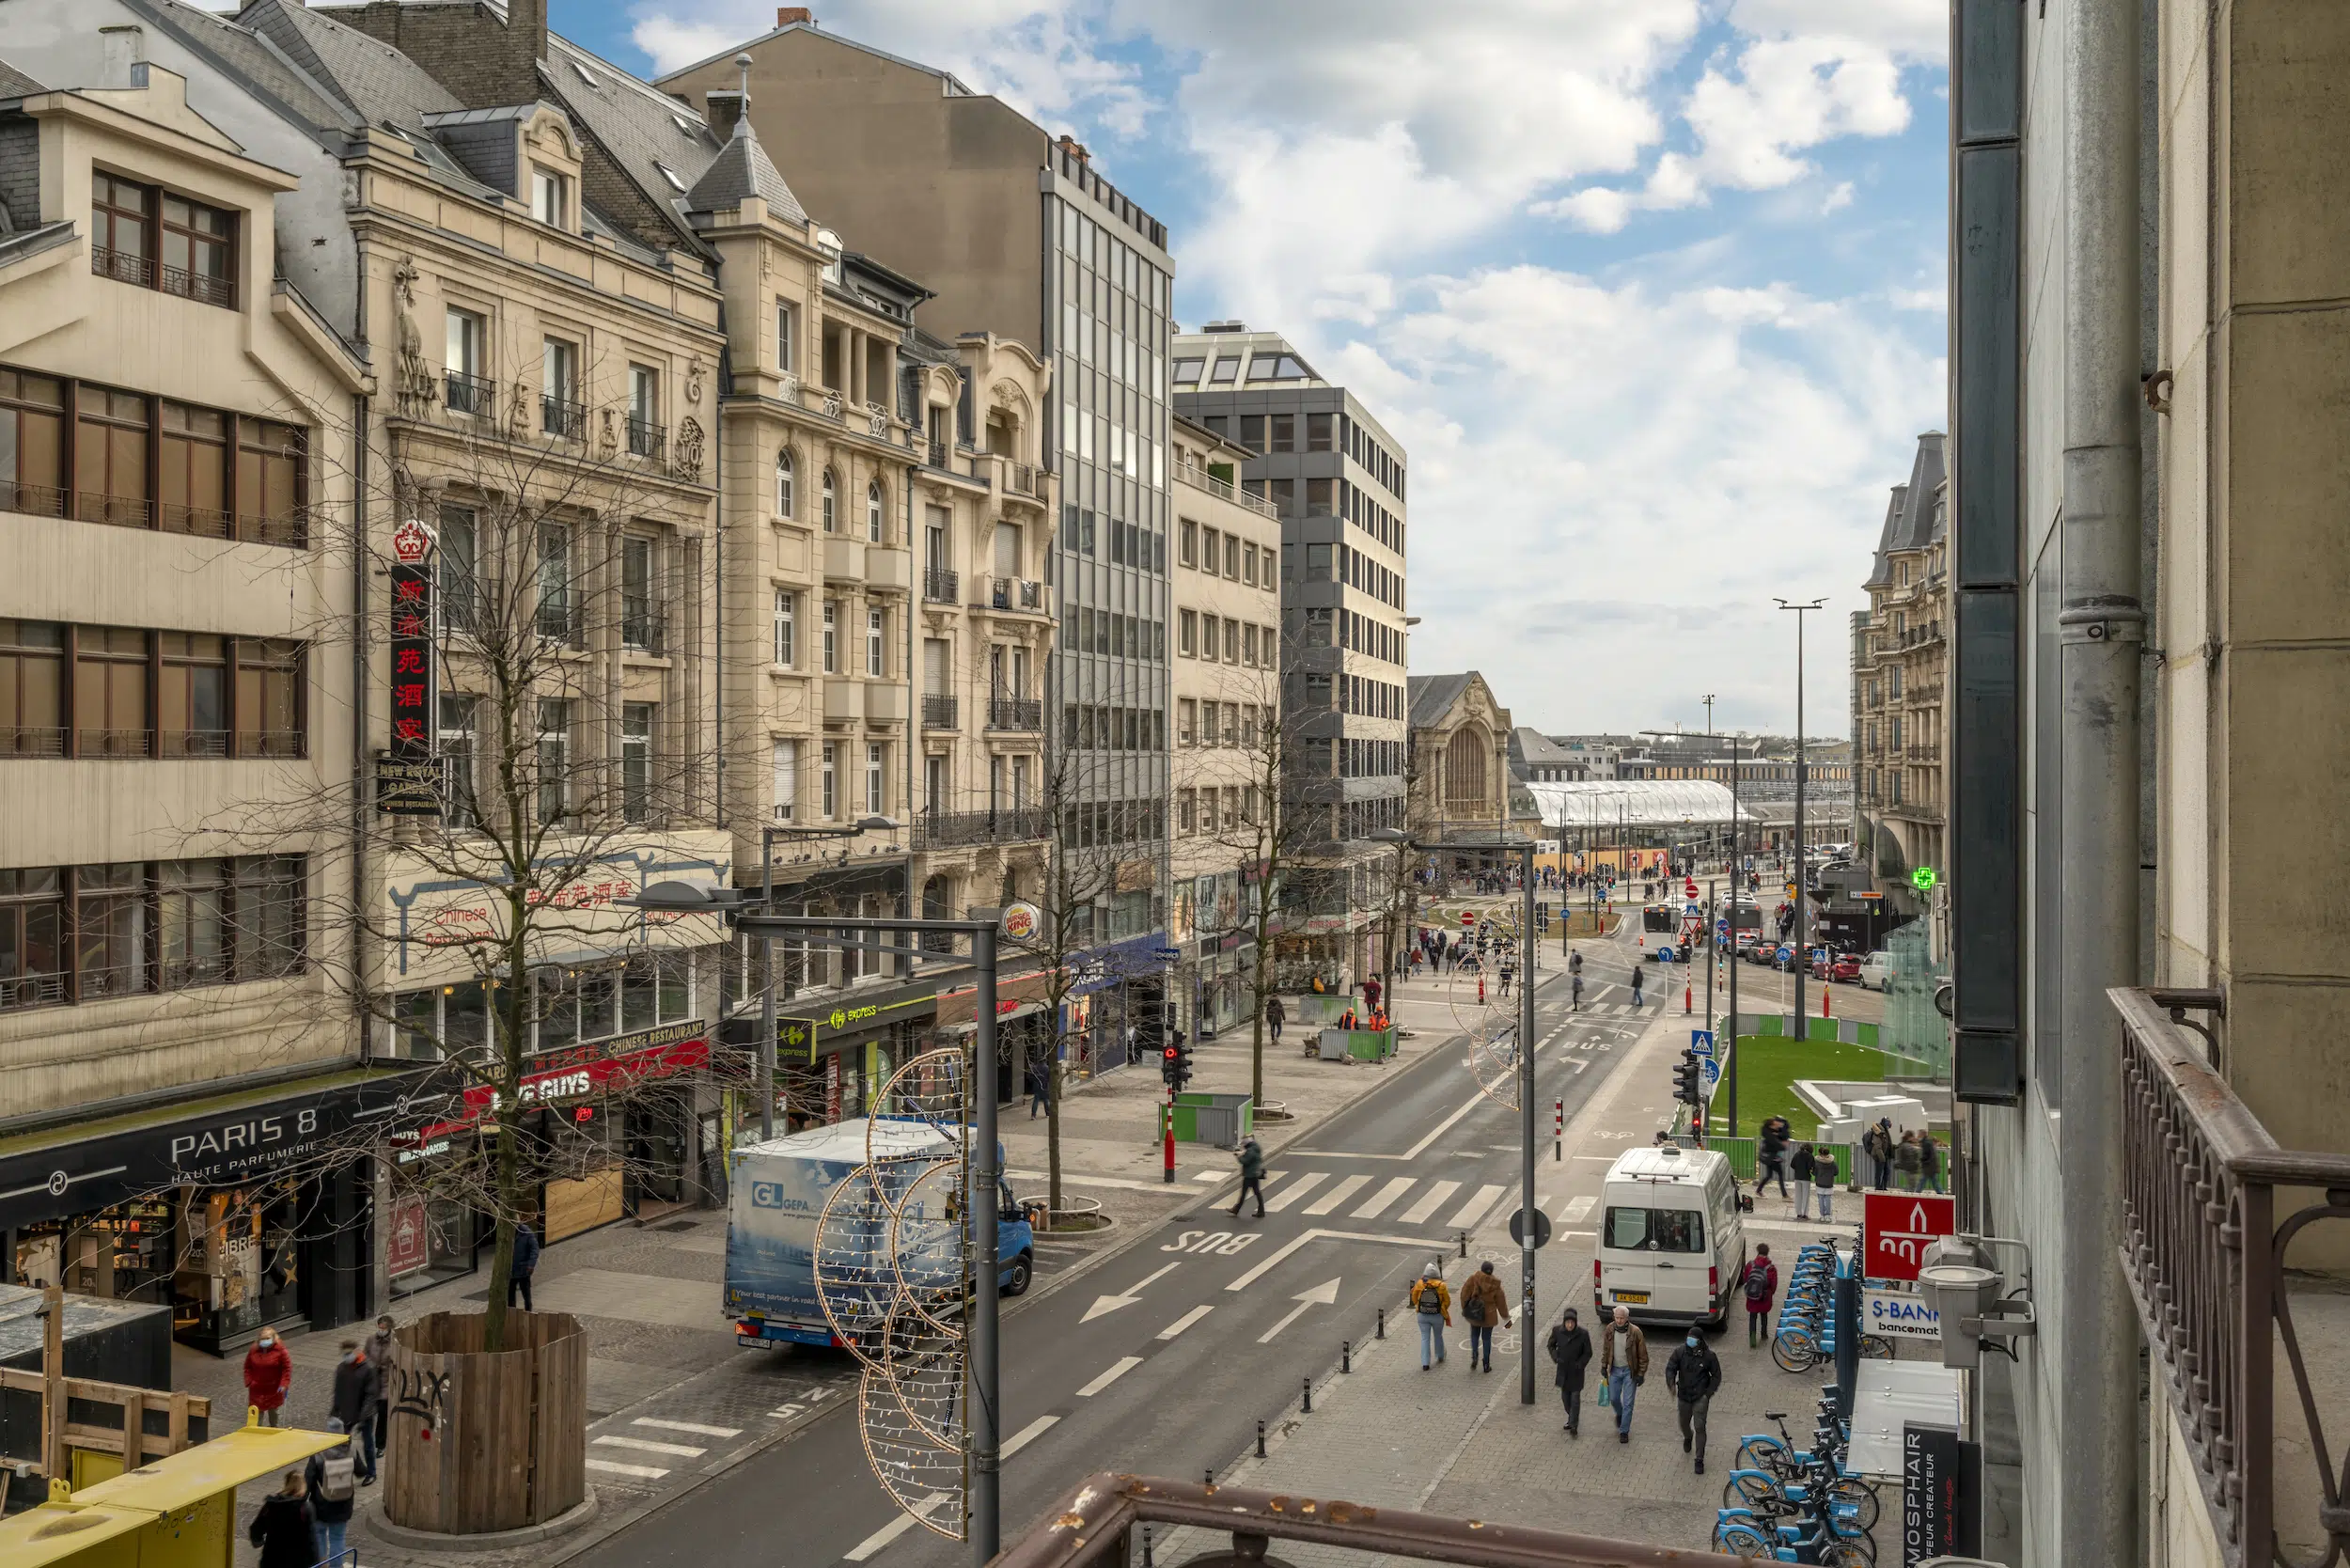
(1166,1356)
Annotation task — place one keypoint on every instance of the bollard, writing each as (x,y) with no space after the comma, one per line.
(1209,1481)
(1146,1546)
(1260,1439)
(1465,1244)
(1380,1331)
(1309,1397)
(1346,1355)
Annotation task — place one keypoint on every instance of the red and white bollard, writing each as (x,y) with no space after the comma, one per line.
(1170,1134)
(1825,1012)
(1688,999)
(1557,1129)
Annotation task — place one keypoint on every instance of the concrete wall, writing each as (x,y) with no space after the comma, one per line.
(943,189)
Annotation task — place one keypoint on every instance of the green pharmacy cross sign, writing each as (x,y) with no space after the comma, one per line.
(1923,878)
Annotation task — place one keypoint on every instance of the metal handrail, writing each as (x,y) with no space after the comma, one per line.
(2204,1254)
(467,393)
(939,713)
(940,586)
(1192,475)
(1091,1522)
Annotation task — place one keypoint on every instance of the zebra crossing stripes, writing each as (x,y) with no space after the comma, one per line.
(1293,1190)
(1385,1198)
(1429,1201)
(1337,1194)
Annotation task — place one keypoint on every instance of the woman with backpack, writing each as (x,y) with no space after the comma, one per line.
(332,1482)
(1762,1284)
(1432,1305)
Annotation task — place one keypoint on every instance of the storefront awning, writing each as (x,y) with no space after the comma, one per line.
(215,1141)
(817,1024)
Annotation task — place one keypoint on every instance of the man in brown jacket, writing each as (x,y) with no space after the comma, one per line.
(1622,1366)
(1482,1304)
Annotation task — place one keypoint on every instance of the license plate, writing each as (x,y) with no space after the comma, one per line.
(1638,1298)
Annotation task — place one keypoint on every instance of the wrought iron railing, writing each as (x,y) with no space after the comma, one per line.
(940,586)
(41,501)
(32,741)
(2203,1249)
(563,418)
(122,266)
(116,742)
(473,394)
(643,626)
(647,439)
(199,287)
(1016,712)
(23,991)
(196,743)
(960,829)
(123,511)
(1016,594)
(940,712)
(935,453)
(1091,1525)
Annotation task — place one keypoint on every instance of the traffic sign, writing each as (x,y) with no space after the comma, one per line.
(1169,955)
(1896,1227)
(1785,952)
(1791,890)
(1469,916)
(1711,1069)
(1542,1228)
(1923,878)
(1702,1041)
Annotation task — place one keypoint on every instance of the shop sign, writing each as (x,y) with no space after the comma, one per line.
(616,1064)
(409,790)
(1023,921)
(223,1149)
(407,1242)
(1012,991)
(807,1029)
(1898,1227)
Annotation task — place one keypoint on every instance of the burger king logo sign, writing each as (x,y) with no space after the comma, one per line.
(1023,921)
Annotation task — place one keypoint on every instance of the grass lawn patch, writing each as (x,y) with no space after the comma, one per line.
(1768,1066)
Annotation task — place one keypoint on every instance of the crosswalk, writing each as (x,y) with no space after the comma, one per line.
(645,1450)
(1453,1204)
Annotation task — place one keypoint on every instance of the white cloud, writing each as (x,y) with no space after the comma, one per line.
(1837,200)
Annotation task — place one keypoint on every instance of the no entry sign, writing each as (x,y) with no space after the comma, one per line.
(1898,1227)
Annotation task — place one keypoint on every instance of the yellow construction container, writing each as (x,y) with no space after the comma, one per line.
(179,1512)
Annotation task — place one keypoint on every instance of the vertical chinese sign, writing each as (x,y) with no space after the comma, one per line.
(407,784)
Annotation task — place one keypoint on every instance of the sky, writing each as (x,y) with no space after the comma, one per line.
(1650,290)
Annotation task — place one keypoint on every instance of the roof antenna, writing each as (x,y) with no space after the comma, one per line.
(742,113)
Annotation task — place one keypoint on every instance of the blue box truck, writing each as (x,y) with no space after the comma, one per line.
(777,1194)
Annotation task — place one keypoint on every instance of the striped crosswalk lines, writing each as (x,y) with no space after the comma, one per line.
(1429,1201)
(1291,1191)
(1337,1194)
(1385,1198)
(1474,1210)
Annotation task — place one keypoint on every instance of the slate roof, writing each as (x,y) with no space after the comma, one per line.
(1913,521)
(643,129)
(379,84)
(743,169)
(15,84)
(1430,696)
(250,58)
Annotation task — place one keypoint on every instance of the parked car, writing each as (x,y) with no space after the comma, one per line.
(1876,970)
(1843,969)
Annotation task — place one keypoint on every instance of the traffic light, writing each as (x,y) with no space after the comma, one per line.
(1176,1067)
(1685,1073)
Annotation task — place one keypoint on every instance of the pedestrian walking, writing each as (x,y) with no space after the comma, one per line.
(1622,1366)
(1803,1167)
(1575,987)
(1039,1084)
(1483,1303)
(1433,1303)
(1251,1177)
(1569,1347)
(526,1263)
(1636,982)
(1929,1158)
(1505,977)
(1824,1175)
(358,1388)
(1908,1163)
(1770,1154)
(330,1483)
(1274,1015)
(281,1531)
(380,1347)
(1762,1284)
(267,1377)
(1373,991)
(1694,1373)
(1877,1144)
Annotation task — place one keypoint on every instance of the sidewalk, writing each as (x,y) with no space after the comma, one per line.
(670,1399)
(1459,1443)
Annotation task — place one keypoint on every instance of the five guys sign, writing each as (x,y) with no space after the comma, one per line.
(406,784)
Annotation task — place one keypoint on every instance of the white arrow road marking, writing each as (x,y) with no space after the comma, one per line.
(1124,1365)
(1337,1194)
(640,1445)
(1297,1190)
(1323,1294)
(1106,1304)
(1258,1273)
(697,1429)
(1384,1198)
(895,1529)
(1430,1202)
(1028,1435)
(1184,1322)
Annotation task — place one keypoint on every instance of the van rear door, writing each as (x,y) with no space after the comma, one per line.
(1627,1273)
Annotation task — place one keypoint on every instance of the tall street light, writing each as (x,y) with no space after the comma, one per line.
(767,837)
(1524,848)
(1802,952)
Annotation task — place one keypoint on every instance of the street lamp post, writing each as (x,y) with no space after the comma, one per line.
(1737,877)
(1802,952)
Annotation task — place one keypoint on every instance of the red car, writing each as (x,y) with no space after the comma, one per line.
(1841,968)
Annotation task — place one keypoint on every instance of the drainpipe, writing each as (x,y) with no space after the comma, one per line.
(2101,630)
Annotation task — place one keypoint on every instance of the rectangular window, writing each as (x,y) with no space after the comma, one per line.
(193,708)
(271,481)
(640,616)
(636,760)
(832,638)
(198,252)
(1211,550)
(556,615)
(876,772)
(122,230)
(32,689)
(455,562)
(786,779)
(829,780)
(1318,497)
(1231,555)
(111,925)
(1284,494)
(1317,433)
(559,410)
(1252,432)
(460,806)
(1231,642)
(110,691)
(267,919)
(1285,432)
(787,622)
(192,473)
(1187,811)
(874,626)
(1187,634)
(110,458)
(32,444)
(190,924)
(787,336)
(555,759)
(646,436)
(550,198)
(1248,644)
(31,938)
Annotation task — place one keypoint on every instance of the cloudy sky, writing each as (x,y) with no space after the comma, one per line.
(1650,290)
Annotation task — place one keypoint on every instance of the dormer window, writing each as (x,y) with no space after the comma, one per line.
(550,197)
(154,239)
(584,74)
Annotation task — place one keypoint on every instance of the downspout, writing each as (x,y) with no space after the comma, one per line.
(2101,630)
(722,388)
(360,805)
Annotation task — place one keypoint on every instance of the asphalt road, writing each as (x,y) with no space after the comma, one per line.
(1164,1358)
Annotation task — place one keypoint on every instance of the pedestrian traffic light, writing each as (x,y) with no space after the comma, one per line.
(1168,1063)
(1176,1069)
(1685,1073)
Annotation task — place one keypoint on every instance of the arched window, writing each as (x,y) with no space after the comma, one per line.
(831,503)
(786,498)
(874,512)
(1464,769)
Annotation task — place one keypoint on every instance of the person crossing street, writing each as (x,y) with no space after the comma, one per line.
(1694,1373)
(1622,1366)
(1251,1177)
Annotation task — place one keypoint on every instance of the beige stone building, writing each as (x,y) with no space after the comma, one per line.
(1459,768)
(1899,676)
(1229,743)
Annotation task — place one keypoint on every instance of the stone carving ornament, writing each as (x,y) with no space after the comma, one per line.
(689,450)
(417,387)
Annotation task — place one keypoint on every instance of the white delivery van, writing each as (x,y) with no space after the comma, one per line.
(1671,1244)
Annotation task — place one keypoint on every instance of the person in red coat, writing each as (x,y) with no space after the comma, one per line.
(268,1375)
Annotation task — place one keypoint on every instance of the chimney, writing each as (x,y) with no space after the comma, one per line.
(119,50)
(787,15)
(1075,148)
(527,44)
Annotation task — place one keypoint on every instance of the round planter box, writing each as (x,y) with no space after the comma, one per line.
(484,1443)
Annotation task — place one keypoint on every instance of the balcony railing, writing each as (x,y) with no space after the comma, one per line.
(473,394)
(560,620)
(41,501)
(1019,478)
(1093,1524)
(198,286)
(122,266)
(563,418)
(935,453)
(2204,1249)
(196,743)
(122,511)
(1016,712)
(962,829)
(1215,486)
(18,992)
(940,712)
(32,741)
(941,587)
(1015,593)
(643,628)
(116,742)
(647,439)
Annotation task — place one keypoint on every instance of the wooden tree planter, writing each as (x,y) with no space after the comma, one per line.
(482,1442)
